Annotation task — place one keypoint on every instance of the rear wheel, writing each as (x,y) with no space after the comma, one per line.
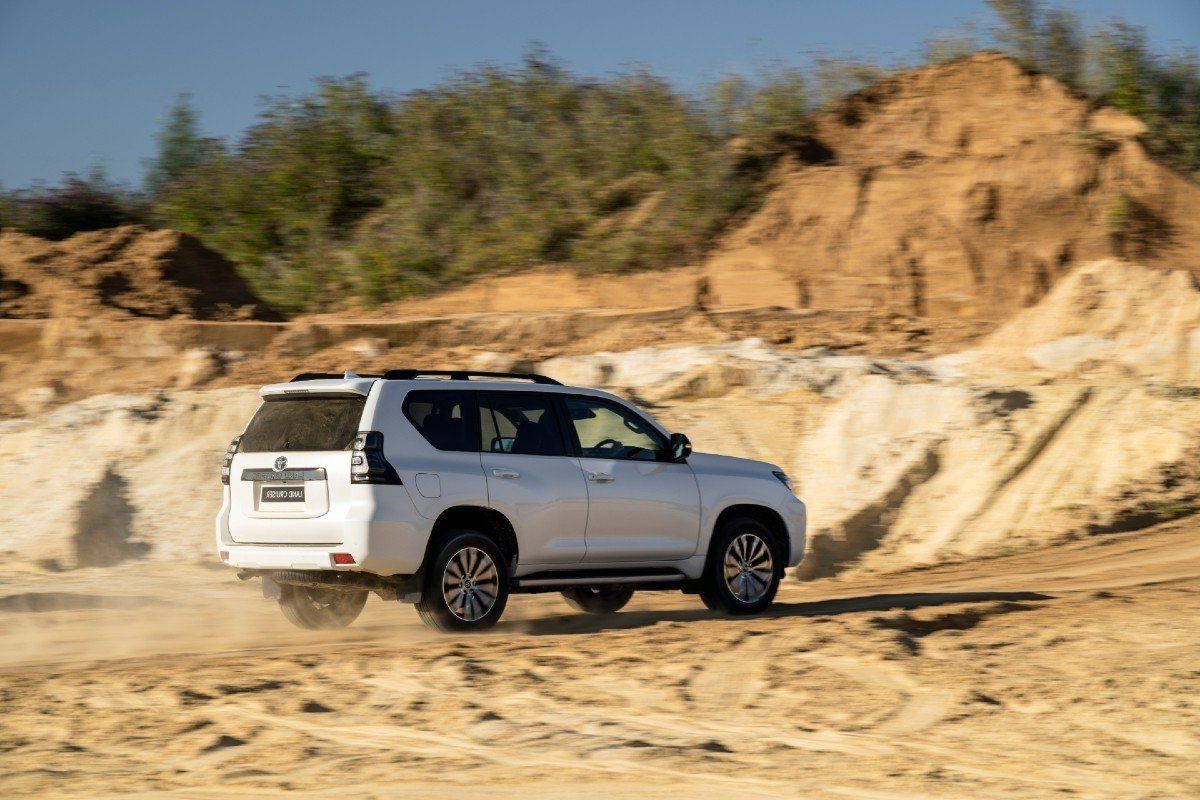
(599,600)
(466,584)
(743,574)
(320,609)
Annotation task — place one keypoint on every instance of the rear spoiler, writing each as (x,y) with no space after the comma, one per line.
(330,376)
(320,385)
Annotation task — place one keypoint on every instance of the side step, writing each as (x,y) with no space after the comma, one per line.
(641,578)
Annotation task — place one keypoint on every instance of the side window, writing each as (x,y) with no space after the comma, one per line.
(607,430)
(521,423)
(443,418)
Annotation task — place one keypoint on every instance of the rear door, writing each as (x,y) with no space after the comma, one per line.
(642,506)
(292,469)
(531,478)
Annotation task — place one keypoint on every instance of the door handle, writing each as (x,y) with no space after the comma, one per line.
(600,477)
(506,473)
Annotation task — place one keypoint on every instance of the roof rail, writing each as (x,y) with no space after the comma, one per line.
(465,375)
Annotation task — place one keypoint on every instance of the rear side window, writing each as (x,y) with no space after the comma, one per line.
(521,423)
(303,423)
(443,418)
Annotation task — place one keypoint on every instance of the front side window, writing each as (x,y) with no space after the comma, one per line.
(294,423)
(521,423)
(443,418)
(608,430)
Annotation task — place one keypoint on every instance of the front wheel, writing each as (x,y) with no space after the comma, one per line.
(601,600)
(320,609)
(743,574)
(466,584)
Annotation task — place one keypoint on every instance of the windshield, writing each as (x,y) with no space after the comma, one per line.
(303,423)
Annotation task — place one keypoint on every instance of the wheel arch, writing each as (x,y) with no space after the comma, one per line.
(487,521)
(768,517)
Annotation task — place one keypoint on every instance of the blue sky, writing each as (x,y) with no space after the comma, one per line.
(88,82)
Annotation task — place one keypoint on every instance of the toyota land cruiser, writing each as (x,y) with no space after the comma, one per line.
(452,490)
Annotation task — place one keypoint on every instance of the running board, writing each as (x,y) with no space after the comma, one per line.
(605,577)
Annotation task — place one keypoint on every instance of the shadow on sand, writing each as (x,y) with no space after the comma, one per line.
(572,623)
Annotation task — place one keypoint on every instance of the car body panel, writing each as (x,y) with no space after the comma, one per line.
(459,474)
(546,500)
(662,498)
(726,481)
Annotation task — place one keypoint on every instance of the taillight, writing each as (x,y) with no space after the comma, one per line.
(368,465)
(227,461)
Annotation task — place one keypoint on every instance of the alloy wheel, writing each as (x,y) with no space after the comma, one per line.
(470,584)
(748,567)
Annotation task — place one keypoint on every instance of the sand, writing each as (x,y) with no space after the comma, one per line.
(1065,671)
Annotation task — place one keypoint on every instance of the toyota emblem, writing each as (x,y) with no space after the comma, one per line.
(280,464)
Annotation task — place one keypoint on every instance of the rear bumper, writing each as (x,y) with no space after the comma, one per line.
(389,540)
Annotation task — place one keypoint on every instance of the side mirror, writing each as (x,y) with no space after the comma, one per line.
(681,447)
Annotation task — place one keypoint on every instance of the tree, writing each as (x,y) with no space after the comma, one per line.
(8,209)
(837,78)
(729,99)
(765,115)
(1020,31)
(297,183)
(180,146)
(1164,92)
(1062,47)
(1125,69)
(778,110)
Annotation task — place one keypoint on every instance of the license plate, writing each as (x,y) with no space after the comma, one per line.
(283,494)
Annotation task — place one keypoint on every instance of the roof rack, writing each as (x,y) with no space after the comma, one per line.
(465,375)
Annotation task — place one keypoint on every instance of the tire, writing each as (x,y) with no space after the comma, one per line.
(601,600)
(464,572)
(320,609)
(744,569)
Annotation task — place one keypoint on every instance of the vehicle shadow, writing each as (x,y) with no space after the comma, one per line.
(576,623)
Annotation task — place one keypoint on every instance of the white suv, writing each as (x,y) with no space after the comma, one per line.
(452,490)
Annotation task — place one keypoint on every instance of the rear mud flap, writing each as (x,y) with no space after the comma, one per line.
(408,590)
(270,589)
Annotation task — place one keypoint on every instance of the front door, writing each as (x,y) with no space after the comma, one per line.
(641,505)
(531,478)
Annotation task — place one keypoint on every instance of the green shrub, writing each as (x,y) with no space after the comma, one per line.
(350,194)
(78,204)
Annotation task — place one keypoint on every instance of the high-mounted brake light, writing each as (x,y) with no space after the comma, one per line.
(368,464)
(227,461)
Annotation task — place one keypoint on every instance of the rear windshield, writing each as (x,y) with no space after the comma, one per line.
(303,423)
